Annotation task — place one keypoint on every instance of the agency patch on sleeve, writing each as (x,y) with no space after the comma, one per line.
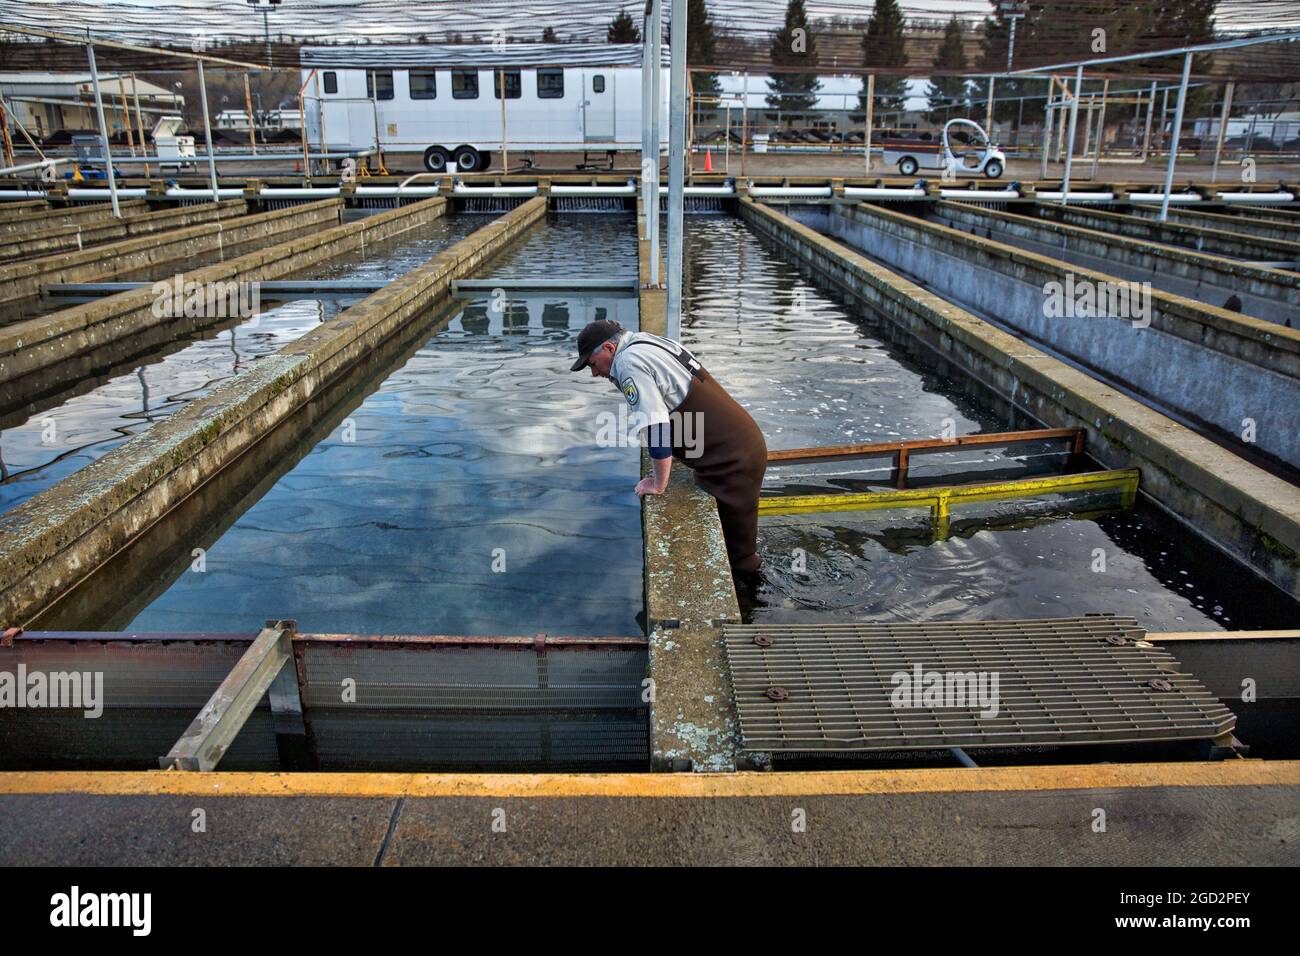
(629,390)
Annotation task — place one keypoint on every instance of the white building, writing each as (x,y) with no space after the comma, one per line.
(45,103)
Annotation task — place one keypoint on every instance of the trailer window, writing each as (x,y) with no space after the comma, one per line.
(331,82)
(379,84)
(464,84)
(598,83)
(510,80)
(550,83)
(424,84)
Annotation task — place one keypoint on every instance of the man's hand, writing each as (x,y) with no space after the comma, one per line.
(656,483)
(649,486)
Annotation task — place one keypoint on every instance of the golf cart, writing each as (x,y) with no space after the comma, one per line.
(964,148)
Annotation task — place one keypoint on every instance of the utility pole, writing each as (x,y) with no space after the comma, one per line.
(1012,10)
(266,23)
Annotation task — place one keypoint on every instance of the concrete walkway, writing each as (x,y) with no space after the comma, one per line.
(1236,813)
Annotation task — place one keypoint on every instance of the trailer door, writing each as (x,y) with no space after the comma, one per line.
(598,106)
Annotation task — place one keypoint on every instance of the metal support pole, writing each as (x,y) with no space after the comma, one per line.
(207,133)
(989,122)
(690,127)
(647,104)
(4,135)
(1049,114)
(1173,141)
(1164,113)
(139,123)
(727,141)
(248,106)
(1069,139)
(1087,129)
(374,106)
(266,29)
(103,133)
(126,115)
(1101,129)
(871,110)
(744,125)
(676,171)
(1223,127)
(1151,112)
(1060,123)
(505,145)
(656,65)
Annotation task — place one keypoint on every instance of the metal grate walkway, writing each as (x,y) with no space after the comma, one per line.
(821,688)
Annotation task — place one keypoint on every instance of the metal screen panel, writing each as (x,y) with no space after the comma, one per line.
(872,687)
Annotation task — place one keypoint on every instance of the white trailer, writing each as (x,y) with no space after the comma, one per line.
(445,102)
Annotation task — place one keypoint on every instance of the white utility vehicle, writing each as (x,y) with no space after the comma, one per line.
(963,147)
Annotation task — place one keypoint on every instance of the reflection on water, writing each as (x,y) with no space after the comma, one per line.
(467,495)
(55,442)
(811,368)
(574,246)
(814,370)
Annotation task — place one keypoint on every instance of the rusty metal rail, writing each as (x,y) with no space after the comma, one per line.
(902,451)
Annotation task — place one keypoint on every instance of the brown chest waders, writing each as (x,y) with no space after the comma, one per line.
(727,454)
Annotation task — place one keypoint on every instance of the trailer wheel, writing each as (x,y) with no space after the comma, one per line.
(907,166)
(468,159)
(993,170)
(436,159)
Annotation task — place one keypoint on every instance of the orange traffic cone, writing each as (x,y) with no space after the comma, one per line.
(708,159)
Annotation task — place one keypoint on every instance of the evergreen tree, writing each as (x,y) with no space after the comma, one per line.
(949,96)
(701,45)
(548,35)
(623,29)
(1185,23)
(883,45)
(793,45)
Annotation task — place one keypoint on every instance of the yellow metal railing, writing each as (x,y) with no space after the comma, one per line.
(940,499)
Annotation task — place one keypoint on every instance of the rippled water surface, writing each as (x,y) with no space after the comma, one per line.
(57,441)
(467,495)
(814,370)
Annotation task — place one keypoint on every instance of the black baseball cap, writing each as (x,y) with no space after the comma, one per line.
(592,337)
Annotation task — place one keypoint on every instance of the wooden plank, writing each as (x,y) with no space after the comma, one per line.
(212,732)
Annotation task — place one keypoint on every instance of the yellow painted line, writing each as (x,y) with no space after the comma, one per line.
(1231,773)
(937,499)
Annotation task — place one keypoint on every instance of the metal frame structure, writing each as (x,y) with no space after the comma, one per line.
(1187,52)
(90,42)
(939,499)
